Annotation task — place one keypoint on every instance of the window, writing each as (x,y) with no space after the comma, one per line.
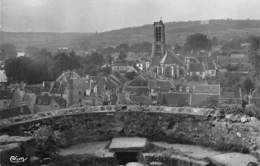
(158,31)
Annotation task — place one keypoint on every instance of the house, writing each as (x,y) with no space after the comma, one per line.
(238,58)
(211,70)
(48,103)
(29,100)
(138,86)
(138,90)
(5,99)
(204,94)
(174,99)
(196,70)
(223,60)
(15,111)
(40,89)
(160,86)
(123,67)
(191,95)
(73,88)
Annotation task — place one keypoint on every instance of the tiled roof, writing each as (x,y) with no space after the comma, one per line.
(59,100)
(140,99)
(163,85)
(156,60)
(43,100)
(139,81)
(65,76)
(196,67)
(58,88)
(206,88)
(174,99)
(12,112)
(170,58)
(38,88)
(46,100)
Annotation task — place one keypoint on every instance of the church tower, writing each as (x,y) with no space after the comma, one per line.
(159,39)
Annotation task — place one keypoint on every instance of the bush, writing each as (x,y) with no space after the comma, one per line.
(252,110)
(45,142)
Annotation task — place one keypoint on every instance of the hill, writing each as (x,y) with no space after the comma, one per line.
(176,32)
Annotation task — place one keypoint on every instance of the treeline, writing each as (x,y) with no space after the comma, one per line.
(42,65)
(137,48)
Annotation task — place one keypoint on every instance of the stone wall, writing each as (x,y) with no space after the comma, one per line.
(173,125)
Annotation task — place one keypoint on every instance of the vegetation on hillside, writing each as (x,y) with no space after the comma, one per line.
(176,32)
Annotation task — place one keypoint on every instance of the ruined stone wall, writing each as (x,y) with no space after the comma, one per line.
(173,127)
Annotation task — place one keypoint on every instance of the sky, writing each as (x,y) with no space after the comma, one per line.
(104,15)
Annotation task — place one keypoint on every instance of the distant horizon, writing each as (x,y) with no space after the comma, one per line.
(134,26)
(90,16)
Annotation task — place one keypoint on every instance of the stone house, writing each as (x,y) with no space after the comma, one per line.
(238,58)
(191,95)
(48,103)
(123,67)
(196,70)
(14,111)
(73,88)
(160,86)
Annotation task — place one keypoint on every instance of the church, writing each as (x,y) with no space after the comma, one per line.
(164,63)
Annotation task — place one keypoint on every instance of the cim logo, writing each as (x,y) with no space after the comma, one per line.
(17,159)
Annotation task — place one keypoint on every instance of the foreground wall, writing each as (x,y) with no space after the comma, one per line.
(174,125)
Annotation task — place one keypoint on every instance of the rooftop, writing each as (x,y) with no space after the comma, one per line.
(196,67)
(127,144)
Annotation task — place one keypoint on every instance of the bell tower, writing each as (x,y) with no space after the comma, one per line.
(159,39)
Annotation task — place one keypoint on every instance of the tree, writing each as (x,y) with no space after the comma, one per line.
(254,53)
(122,47)
(122,56)
(214,41)
(7,51)
(177,48)
(24,69)
(31,51)
(63,62)
(95,58)
(17,69)
(197,42)
(248,85)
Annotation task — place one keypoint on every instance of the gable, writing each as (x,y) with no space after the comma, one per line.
(171,59)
